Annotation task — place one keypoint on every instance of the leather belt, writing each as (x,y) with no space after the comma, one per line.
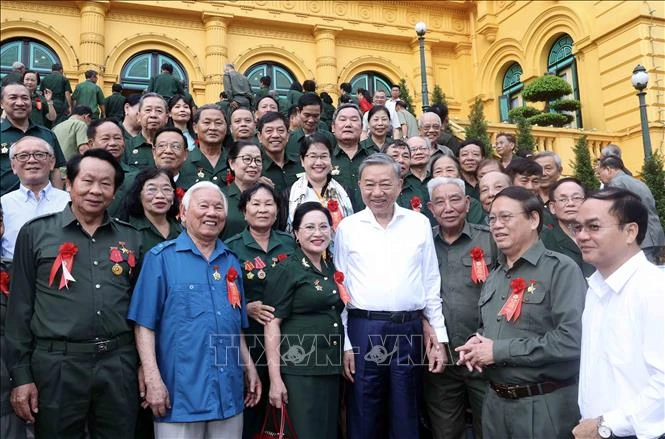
(86,347)
(515,391)
(391,316)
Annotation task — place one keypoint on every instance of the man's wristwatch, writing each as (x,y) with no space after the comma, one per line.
(604,431)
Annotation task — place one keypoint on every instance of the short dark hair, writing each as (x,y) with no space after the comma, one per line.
(305,208)
(325,98)
(266,80)
(308,141)
(56,67)
(626,207)
(95,124)
(438,155)
(74,165)
(167,66)
(246,195)
(309,85)
(396,86)
(82,110)
(396,143)
(238,146)
(116,87)
(267,97)
(132,206)
(612,162)
(295,85)
(530,203)
(375,109)
(163,130)
(197,114)
(558,183)
(523,166)
(133,99)
(90,74)
(509,137)
(346,87)
(476,142)
(441,110)
(269,117)
(309,99)
(39,78)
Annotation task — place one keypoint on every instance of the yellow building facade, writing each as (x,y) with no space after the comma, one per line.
(485,48)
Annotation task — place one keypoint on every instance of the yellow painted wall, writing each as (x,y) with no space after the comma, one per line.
(469,46)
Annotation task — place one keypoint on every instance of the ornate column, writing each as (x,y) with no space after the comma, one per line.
(216,53)
(92,50)
(326,58)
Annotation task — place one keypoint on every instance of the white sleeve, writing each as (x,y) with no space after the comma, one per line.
(432,285)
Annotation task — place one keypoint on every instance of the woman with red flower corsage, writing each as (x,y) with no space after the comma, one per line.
(304,340)
(260,248)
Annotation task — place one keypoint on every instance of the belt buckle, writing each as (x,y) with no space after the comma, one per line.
(511,392)
(102,346)
(397,317)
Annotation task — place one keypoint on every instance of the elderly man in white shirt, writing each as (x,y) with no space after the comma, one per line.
(622,369)
(32,160)
(386,254)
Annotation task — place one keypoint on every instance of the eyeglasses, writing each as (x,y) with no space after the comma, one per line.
(315,157)
(310,229)
(505,218)
(175,146)
(248,159)
(431,127)
(574,199)
(590,228)
(151,191)
(419,148)
(25,156)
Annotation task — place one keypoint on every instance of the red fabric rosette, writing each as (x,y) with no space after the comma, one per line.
(4,283)
(233,293)
(343,292)
(513,306)
(281,257)
(38,103)
(229,177)
(479,271)
(65,259)
(416,204)
(335,212)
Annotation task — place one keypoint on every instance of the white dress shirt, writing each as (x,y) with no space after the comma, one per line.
(391,269)
(20,206)
(622,369)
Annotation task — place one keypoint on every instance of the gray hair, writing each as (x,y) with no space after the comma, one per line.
(420,119)
(440,181)
(153,95)
(203,185)
(379,158)
(554,155)
(344,107)
(42,142)
(611,150)
(18,65)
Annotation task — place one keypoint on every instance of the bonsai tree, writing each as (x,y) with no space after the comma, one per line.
(438,96)
(525,140)
(477,128)
(549,89)
(653,175)
(404,95)
(583,169)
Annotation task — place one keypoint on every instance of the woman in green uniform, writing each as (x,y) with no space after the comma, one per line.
(379,127)
(246,165)
(151,207)
(43,112)
(259,248)
(305,338)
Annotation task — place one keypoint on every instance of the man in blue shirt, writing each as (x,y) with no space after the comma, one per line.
(189,309)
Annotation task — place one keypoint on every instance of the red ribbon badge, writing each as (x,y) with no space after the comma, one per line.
(249,266)
(131,259)
(65,259)
(4,283)
(343,293)
(335,212)
(229,177)
(281,257)
(513,306)
(115,255)
(179,193)
(258,263)
(233,293)
(38,103)
(479,271)
(416,204)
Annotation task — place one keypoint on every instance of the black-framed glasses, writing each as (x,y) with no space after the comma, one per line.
(248,159)
(175,146)
(25,156)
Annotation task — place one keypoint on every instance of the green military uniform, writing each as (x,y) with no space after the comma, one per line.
(476,214)
(235,220)
(292,97)
(12,78)
(10,134)
(308,302)
(569,248)
(285,176)
(452,142)
(327,115)
(238,88)
(73,132)
(446,394)
(412,186)
(59,85)
(75,342)
(345,172)
(166,85)
(295,137)
(249,252)
(138,153)
(472,191)
(205,171)
(260,94)
(543,345)
(368,143)
(150,236)
(88,93)
(114,106)
(224,106)
(39,110)
(548,234)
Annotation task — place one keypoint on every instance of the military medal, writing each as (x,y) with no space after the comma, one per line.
(250,275)
(248,266)
(532,287)
(216,274)
(135,151)
(258,262)
(4,149)
(200,174)
(115,255)
(214,178)
(317,285)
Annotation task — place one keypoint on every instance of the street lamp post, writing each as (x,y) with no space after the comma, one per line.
(640,79)
(421,28)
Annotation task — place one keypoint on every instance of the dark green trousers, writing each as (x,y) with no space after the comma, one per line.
(313,405)
(98,389)
(446,398)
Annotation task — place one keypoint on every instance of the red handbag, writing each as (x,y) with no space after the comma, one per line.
(278,431)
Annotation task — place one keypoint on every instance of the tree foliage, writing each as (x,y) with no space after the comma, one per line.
(582,167)
(653,176)
(477,129)
(405,95)
(438,96)
(549,89)
(526,143)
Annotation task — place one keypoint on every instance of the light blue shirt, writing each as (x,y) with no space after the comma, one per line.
(197,331)
(20,206)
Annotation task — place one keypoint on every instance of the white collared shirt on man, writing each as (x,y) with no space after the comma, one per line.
(622,370)
(391,269)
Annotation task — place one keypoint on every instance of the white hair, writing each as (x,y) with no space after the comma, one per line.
(42,142)
(203,185)
(429,113)
(440,181)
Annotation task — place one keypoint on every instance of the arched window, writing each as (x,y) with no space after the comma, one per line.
(281,76)
(137,71)
(561,62)
(35,55)
(511,91)
(370,81)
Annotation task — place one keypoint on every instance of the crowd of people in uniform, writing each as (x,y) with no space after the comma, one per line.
(180,271)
